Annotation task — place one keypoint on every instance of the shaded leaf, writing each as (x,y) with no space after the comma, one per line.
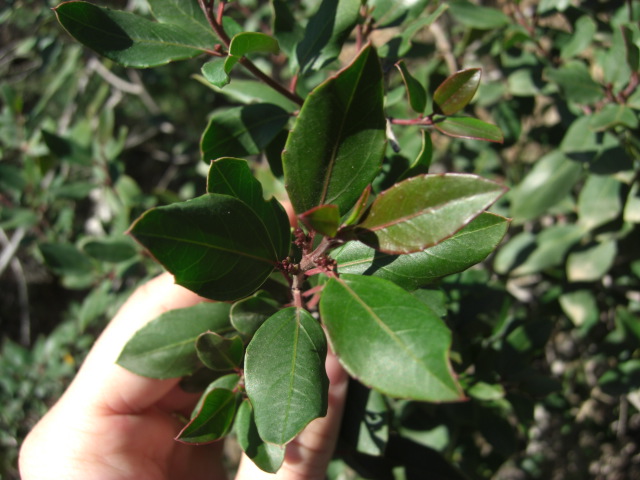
(422,211)
(421,164)
(165,347)
(415,91)
(476,16)
(338,141)
(242,131)
(284,374)
(405,354)
(213,419)
(252,42)
(248,314)
(324,219)
(219,353)
(214,245)
(468,127)
(110,249)
(457,91)
(469,246)
(365,423)
(552,245)
(267,456)
(65,259)
(67,150)
(129,39)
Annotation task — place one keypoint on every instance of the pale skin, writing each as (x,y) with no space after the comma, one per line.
(111,424)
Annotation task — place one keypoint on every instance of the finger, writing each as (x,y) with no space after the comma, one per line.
(103,383)
(308,455)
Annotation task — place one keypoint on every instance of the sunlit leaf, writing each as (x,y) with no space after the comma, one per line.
(457,91)
(468,127)
(415,91)
(267,456)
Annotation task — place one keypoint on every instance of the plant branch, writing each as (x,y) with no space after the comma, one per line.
(259,74)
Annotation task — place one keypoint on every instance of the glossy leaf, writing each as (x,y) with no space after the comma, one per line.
(252,42)
(219,353)
(338,141)
(324,219)
(214,245)
(213,418)
(185,14)
(325,33)
(468,127)
(415,91)
(267,456)
(129,39)
(422,211)
(421,164)
(469,246)
(285,377)
(248,314)
(359,207)
(165,347)
(402,335)
(232,176)
(242,131)
(456,91)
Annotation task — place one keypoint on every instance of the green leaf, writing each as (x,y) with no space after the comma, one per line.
(632,206)
(422,211)
(219,353)
(242,131)
(110,249)
(248,314)
(252,42)
(475,16)
(284,374)
(468,127)
(267,456)
(285,27)
(415,91)
(214,245)
(581,307)
(611,116)
(421,164)
(252,91)
(388,13)
(549,181)
(185,14)
(65,259)
(592,263)
(215,72)
(575,82)
(213,420)
(129,39)
(582,37)
(324,219)
(327,29)
(552,245)
(599,201)
(232,176)
(406,347)
(365,423)
(469,246)
(165,347)
(67,150)
(456,91)
(338,141)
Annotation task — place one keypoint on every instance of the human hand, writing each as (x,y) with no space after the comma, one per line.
(112,424)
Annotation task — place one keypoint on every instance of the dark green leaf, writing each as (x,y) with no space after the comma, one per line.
(406,347)
(129,39)
(422,211)
(365,423)
(325,33)
(232,176)
(267,456)
(456,91)
(324,219)
(242,131)
(415,91)
(219,353)
(338,141)
(65,259)
(421,164)
(214,245)
(285,376)
(389,13)
(165,347)
(248,314)
(285,27)
(252,42)
(621,380)
(359,207)
(66,150)
(110,249)
(213,420)
(553,243)
(468,127)
(469,246)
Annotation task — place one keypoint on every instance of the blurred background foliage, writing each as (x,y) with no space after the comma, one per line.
(546,331)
